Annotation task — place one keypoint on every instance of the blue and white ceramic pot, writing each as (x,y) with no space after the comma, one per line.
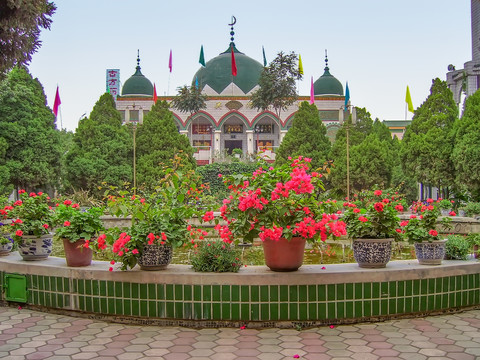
(372,253)
(6,249)
(155,257)
(35,248)
(430,253)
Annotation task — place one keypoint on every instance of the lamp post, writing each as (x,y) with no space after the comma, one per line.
(257,131)
(134,125)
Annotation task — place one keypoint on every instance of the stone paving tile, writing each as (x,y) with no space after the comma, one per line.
(26,334)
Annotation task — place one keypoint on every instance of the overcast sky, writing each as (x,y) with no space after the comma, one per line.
(378,46)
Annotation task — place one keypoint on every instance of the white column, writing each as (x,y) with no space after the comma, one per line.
(282,135)
(250,143)
(216,141)
(140,116)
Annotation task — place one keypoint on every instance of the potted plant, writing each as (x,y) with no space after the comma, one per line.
(457,247)
(160,223)
(6,239)
(474,240)
(281,206)
(78,228)
(472,209)
(32,218)
(421,230)
(372,229)
(445,206)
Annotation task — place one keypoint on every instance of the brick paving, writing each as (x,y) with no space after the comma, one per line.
(28,334)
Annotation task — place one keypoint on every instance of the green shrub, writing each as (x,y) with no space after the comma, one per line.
(472,209)
(216,256)
(210,172)
(473,239)
(457,247)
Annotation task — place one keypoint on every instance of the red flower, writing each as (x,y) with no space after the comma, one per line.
(356,210)
(452,213)
(18,221)
(19,233)
(429,200)
(164,237)
(45,226)
(135,251)
(75,206)
(433,232)
(208,216)
(378,206)
(21,191)
(399,207)
(67,202)
(66,223)
(363,219)
(377,192)
(32,194)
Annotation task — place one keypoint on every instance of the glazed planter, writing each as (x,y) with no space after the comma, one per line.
(76,254)
(155,257)
(372,253)
(35,248)
(6,249)
(430,253)
(284,255)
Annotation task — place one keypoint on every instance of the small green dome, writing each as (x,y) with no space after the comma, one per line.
(327,84)
(217,72)
(137,84)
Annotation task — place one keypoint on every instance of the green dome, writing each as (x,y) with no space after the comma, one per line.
(327,85)
(217,72)
(137,85)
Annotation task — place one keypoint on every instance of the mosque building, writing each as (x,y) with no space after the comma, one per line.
(229,122)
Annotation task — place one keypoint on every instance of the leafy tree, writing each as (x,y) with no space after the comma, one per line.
(306,137)
(27,127)
(428,141)
(101,151)
(20,24)
(278,84)
(189,100)
(466,152)
(158,143)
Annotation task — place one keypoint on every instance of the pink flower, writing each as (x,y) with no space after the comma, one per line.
(296,356)
(110,269)
(220,175)
(135,251)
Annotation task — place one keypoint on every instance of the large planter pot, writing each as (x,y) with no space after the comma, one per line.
(6,249)
(430,253)
(76,254)
(155,257)
(372,253)
(284,255)
(35,248)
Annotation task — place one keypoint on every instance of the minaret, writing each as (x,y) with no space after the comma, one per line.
(475,13)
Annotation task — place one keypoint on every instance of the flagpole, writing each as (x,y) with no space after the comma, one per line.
(61,118)
(406,105)
(168,87)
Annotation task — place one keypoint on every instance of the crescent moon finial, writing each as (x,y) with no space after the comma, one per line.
(234,21)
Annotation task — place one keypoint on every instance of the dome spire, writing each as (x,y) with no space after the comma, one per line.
(138,59)
(232,32)
(326,61)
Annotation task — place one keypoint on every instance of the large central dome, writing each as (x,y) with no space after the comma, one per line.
(217,73)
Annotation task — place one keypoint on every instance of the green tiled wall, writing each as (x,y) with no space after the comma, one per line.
(255,302)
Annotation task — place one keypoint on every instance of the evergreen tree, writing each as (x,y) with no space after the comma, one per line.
(20,24)
(101,151)
(428,142)
(31,150)
(306,137)
(158,142)
(466,152)
(189,100)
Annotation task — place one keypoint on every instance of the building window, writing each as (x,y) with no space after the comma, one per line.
(201,129)
(134,115)
(122,115)
(264,129)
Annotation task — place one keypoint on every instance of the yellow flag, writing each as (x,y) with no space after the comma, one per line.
(408,100)
(300,66)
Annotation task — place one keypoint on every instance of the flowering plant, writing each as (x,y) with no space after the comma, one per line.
(31,215)
(422,225)
(275,202)
(158,219)
(377,220)
(5,234)
(74,223)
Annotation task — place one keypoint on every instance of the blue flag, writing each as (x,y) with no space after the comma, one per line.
(196,82)
(264,58)
(347,96)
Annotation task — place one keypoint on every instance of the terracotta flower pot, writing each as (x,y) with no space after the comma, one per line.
(372,253)
(284,255)
(76,254)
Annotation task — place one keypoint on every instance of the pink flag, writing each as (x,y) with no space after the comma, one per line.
(170,61)
(154,94)
(57,103)
(312,93)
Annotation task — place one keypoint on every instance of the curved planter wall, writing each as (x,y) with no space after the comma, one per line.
(311,296)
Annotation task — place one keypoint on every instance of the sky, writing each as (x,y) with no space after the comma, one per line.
(378,46)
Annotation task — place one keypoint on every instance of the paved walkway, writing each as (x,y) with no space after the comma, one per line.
(27,334)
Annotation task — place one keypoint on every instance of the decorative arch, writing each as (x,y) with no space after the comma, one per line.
(288,120)
(179,122)
(230,114)
(203,114)
(263,114)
